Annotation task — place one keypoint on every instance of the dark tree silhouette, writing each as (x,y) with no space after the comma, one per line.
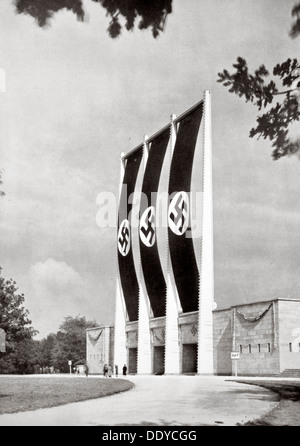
(151,14)
(70,342)
(259,89)
(254,88)
(14,320)
(295,29)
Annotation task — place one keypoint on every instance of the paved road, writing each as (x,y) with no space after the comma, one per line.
(162,401)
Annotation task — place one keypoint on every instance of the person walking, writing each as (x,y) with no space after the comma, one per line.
(109,371)
(116,370)
(124,370)
(86,370)
(105,370)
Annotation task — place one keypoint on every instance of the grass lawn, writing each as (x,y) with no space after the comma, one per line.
(19,394)
(287,412)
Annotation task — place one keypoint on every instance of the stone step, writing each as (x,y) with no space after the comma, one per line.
(291,373)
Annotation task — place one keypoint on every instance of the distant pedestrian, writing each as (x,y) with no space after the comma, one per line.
(109,371)
(105,370)
(124,370)
(117,370)
(86,370)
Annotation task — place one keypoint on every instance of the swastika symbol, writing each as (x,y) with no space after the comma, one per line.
(124,238)
(179,213)
(147,227)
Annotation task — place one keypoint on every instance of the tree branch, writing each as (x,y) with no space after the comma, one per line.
(274,123)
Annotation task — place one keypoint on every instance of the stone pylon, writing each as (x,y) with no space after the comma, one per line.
(206,294)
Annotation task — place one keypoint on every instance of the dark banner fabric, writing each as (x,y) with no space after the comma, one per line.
(182,253)
(127,271)
(151,265)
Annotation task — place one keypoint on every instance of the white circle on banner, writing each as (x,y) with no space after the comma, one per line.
(124,238)
(147,227)
(179,211)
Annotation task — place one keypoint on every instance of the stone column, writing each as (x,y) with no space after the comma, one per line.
(206,297)
(120,352)
(144,340)
(172,350)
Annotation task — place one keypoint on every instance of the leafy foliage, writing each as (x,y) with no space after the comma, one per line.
(14,320)
(25,355)
(68,344)
(46,347)
(251,86)
(295,29)
(256,88)
(152,14)
(43,10)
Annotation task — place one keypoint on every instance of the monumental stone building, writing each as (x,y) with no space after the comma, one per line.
(166,320)
(164,298)
(265,334)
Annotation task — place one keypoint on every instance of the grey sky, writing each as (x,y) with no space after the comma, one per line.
(76,99)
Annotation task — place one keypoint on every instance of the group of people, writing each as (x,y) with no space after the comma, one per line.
(47,370)
(108,372)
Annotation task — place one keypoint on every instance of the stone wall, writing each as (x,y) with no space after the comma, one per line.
(132,335)
(289,334)
(188,337)
(267,336)
(158,331)
(222,342)
(112,346)
(98,348)
(256,339)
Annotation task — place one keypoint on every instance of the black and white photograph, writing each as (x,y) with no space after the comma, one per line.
(149,215)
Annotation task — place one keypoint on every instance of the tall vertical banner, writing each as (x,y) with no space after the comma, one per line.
(184,282)
(128,277)
(181,247)
(151,265)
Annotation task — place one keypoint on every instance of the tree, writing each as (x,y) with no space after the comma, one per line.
(14,320)
(275,122)
(152,14)
(47,346)
(295,29)
(261,90)
(26,356)
(71,342)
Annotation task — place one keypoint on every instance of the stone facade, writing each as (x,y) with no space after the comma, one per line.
(289,334)
(265,334)
(158,340)
(222,336)
(99,348)
(188,342)
(132,347)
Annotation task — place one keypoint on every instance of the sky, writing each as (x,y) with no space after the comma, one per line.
(75,99)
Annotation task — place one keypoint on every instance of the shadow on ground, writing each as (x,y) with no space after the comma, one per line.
(286,390)
(161,423)
(287,411)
